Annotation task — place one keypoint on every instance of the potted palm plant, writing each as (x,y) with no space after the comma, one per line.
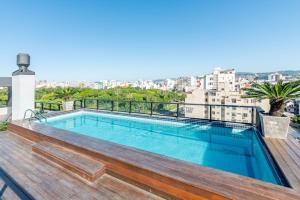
(66,94)
(274,123)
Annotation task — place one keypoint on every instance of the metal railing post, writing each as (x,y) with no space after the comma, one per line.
(112,105)
(209,112)
(97,104)
(129,106)
(42,106)
(252,115)
(177,111)
(151,108)
(50,106)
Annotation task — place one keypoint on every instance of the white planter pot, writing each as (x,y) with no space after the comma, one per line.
(274,127)
(68,105)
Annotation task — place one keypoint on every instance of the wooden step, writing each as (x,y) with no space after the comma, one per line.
(78,164)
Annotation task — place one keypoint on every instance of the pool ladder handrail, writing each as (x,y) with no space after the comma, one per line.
(34,115)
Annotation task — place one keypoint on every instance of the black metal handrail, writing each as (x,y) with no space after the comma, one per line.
(50,106)
(170,109)
(182,103)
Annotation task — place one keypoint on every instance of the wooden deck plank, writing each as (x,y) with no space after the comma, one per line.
(287,154)
(44,181)
(157,171)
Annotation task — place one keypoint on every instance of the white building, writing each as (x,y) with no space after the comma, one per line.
(275,77)
(220,79)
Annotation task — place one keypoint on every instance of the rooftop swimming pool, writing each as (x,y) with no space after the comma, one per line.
(232,149)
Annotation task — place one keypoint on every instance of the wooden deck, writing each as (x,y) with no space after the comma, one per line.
(287,155)
(45,181)
(77,164)
(157,173)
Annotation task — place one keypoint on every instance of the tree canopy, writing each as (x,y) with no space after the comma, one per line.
(58,94)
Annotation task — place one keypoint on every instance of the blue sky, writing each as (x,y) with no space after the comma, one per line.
(148,39)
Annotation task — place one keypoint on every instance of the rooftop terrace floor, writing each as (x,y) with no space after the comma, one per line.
(45,181)
(151,170)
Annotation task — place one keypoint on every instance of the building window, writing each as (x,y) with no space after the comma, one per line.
(233,100)
(233,114)
(245,115)
(188,109)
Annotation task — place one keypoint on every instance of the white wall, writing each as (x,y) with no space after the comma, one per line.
(23,95)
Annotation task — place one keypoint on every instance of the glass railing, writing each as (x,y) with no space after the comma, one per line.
(226,113)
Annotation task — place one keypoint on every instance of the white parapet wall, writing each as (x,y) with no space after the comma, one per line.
(23,95)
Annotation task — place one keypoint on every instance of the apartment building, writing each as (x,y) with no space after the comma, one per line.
(275,77)
(223,80)
(223,99)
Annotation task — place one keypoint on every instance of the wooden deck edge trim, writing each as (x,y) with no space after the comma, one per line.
(168,184)
(143,186)
(72,168)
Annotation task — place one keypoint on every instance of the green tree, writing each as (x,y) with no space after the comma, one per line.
(65,93)
(277,94)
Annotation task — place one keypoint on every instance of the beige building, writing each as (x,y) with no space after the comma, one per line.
(223,100)
(224,105)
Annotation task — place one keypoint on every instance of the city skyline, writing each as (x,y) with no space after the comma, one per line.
(293,73)
(182,83)
(131,40)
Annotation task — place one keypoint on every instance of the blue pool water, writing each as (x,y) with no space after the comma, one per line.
(236,150)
